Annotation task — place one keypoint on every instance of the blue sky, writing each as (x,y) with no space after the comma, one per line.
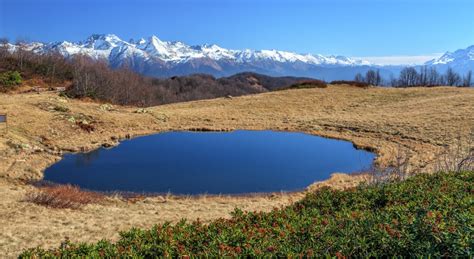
(392,29)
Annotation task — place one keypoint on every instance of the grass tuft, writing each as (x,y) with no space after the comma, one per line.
(63,197)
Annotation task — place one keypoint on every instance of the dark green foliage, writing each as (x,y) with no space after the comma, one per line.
(307,84)
(353,83)
(9,80)
(424,215)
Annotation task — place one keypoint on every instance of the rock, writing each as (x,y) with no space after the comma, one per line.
(25,146)
(154,199)
(106,107)
(141,110)
(59,108)
(62,100)
(107,145)
(159,199)
(37,149)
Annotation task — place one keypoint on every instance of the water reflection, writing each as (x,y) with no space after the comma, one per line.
(211,162)
(87,158)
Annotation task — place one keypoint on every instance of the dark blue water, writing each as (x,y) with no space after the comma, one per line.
(212,162)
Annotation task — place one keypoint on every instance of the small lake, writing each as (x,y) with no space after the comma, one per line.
(234,162)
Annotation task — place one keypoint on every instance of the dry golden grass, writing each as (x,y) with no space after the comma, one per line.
(421,120)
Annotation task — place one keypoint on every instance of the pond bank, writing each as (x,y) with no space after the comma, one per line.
(194,163)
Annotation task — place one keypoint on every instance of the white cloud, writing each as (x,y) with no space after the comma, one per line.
(401,60)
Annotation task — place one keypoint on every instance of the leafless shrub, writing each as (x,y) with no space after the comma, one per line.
(457,157)
(63,197)
(399,171)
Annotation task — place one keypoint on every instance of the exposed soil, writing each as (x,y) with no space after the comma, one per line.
(43,126)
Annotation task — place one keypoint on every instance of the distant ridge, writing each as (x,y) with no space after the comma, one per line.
(461,60)
(112,47)
(154,57)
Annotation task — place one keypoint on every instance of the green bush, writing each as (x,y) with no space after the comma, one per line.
(353,83)
(426,215)
(10,79)
(307,84)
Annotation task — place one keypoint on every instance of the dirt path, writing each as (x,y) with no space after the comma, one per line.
(43,126)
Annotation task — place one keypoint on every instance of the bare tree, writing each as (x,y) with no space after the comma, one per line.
(452,78)
(467,80)
(20,52)
(408,77)
(433,77)
(370,77)
(423,76)
(359,78)
(378,78)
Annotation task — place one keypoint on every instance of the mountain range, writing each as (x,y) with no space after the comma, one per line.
(154,57)
(461,60)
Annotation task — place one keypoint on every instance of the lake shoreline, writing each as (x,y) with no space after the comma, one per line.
(235,163)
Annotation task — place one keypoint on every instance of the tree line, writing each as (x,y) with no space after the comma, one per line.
(424,76)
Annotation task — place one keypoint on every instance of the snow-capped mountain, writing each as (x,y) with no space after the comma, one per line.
(461,60)
(110,46)
(155,57)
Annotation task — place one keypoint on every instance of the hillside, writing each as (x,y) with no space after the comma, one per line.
(84,77)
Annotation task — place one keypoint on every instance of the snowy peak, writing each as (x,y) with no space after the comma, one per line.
(458,57)
(155,57)
(103,41)
(155,46)
(109,46)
